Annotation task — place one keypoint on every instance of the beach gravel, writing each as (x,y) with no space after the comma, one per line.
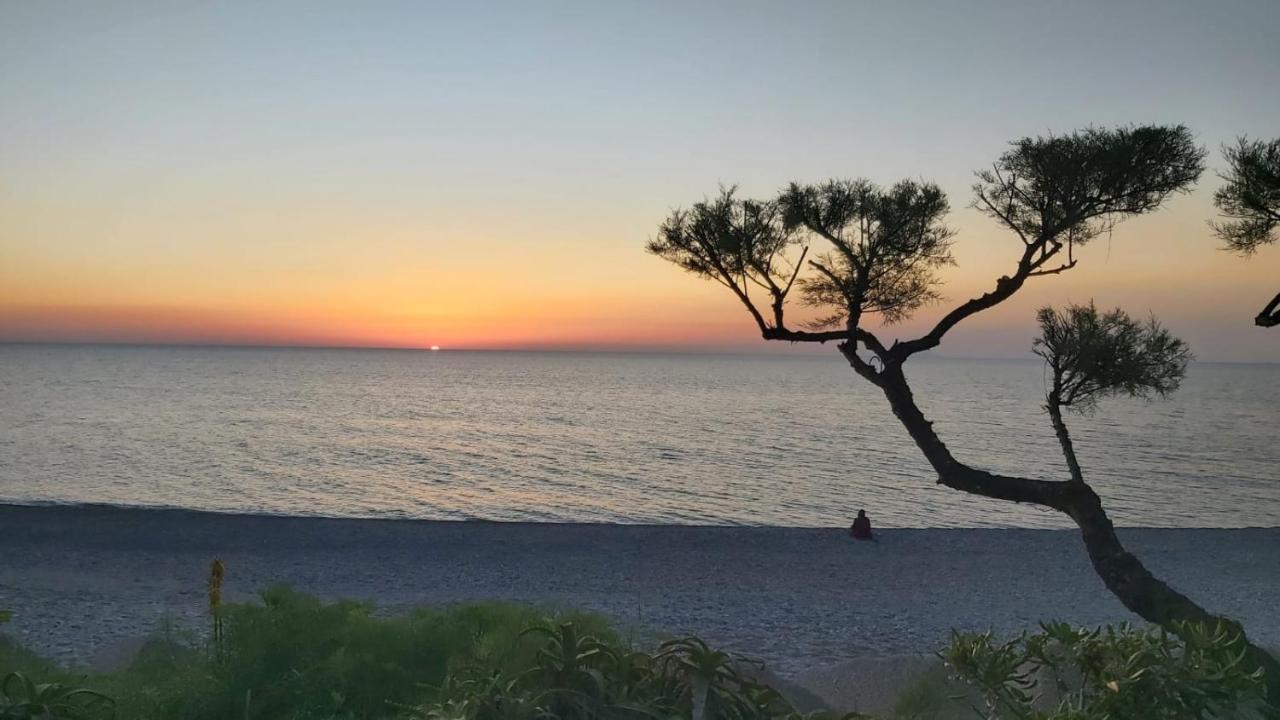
(83,579)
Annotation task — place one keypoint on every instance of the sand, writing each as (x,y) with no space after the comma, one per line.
(83,580)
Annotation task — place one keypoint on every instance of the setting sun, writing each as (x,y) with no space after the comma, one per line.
(582,360)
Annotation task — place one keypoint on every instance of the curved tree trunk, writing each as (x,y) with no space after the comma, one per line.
(1064,437)
(1143,593)
(1121,572)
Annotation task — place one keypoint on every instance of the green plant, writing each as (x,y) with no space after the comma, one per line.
(22,698)
(216,573)
(293,656)
(1111,673)
(576,676)
(296,656)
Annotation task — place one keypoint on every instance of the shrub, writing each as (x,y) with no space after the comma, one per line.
(295,656)
(1112,673)
(579,677)
(22,698)
(292,656)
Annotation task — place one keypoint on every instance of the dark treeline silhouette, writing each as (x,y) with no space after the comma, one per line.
(850,248)
(1251,203)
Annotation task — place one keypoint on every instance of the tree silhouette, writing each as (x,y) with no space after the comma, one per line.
(881,249)
(1092,356)
(1251,203)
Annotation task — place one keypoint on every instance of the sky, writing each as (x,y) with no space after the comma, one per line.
(485,175)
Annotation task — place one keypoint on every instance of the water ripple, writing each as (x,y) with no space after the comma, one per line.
(604,437)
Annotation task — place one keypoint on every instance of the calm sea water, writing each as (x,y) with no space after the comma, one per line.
(604,437)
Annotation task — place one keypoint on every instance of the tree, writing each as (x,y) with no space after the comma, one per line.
(1092,356)
(1251,203)
(882,249)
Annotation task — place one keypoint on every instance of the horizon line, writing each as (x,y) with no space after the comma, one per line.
(931,354)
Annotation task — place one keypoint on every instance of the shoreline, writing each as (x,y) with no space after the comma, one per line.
(112,507)
(80,578)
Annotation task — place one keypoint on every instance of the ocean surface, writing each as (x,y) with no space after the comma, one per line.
(606,437)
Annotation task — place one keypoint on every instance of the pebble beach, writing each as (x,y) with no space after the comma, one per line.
(79,579)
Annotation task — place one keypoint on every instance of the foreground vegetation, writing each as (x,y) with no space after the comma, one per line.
(293,656)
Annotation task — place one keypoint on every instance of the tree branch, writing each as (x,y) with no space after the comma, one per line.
(872,342)
(1054,406)
(951,472)
(796,273)
(1003,216)
(742,295)
(1270,315)
(781,333)
(1005,287)
(858,334)
(1061,268)
(860,366)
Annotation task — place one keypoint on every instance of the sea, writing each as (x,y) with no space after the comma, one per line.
(607,437)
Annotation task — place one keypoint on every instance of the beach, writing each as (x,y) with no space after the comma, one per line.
(79,579)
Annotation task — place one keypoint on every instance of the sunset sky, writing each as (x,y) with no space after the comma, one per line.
(486,176)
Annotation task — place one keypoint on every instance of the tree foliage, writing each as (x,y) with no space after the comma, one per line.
(1072,188)
(1094,355)
(885,244)
(854,248)
(1251,197)
(579,677)
(1112,673)
(738,243)
(1251,203)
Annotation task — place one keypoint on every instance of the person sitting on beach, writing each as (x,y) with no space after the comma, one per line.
(861,528)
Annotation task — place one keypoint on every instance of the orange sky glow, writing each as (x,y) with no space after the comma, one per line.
(323,291)
(339,177)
